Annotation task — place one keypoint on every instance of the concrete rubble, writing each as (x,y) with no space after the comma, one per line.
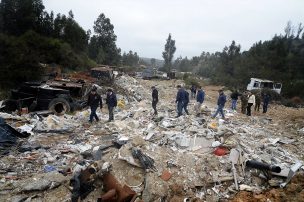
(181,151)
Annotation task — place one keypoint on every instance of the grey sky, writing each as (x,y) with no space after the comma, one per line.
(196,25)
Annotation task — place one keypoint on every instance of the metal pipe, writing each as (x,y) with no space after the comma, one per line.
(262,166)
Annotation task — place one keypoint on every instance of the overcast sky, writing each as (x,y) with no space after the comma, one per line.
(196,25)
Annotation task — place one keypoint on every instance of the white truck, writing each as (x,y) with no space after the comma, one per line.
(261,83)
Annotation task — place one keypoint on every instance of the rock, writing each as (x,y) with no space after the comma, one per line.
(154,188)
(125,154)
(37,185)
(183,141)
(18,198)
(40,182)
(138,141)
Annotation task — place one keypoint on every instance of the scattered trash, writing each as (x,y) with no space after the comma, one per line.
(121,104)
(181,151)
(49,168)
(291,173)
(213,125)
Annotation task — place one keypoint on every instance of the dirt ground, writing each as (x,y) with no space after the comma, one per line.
(293,192)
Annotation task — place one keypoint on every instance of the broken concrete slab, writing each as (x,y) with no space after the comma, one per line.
(40,182)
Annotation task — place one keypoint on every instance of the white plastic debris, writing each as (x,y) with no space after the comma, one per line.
(216,144)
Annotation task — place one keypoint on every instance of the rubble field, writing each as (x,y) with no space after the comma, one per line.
(156,158)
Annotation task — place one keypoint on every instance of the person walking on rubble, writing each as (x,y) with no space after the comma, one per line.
(244,102)
(257,102)
(186,102)
(221,104)
(251,102)
(266,99)
(200,97)
(193,91)
(94,99)
(180,99)
(234,97)
(154,99)
(111,101)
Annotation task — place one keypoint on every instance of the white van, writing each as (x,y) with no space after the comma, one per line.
(260,84)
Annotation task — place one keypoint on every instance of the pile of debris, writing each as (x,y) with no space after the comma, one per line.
(142,157)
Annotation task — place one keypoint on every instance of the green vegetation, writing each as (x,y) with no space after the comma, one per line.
(30,36)
(130,59)
(191,80)
(168,53)
(102,47)
(280,59)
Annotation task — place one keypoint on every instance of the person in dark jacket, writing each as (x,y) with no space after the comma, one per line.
(234,97)
(266,99)
(180,99)
(94,99)
(221,104)
(186,102)
(111,101)
(193,91)
(200,97)
(154,99)
(257,102)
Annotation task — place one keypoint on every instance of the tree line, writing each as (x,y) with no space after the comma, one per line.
(29,36)
(280,59)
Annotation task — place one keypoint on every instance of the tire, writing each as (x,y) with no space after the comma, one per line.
(59,106)
(33,106)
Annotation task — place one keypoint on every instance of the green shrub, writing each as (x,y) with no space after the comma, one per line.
(273,94)
(189,81)
(20,57)
(293,88)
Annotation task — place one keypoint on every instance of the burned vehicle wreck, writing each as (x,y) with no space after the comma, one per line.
(37,96)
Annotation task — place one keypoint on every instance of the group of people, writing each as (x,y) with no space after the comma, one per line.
(95,101)
(182,99)
(248,99)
